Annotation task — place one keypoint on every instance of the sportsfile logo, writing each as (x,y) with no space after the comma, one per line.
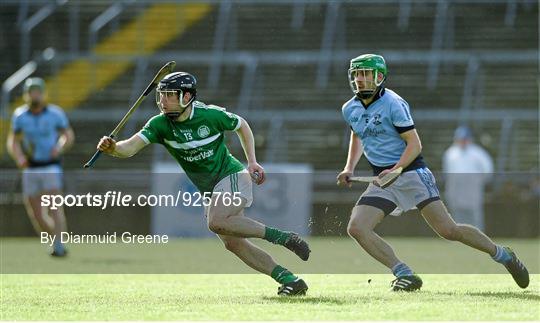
(119,199)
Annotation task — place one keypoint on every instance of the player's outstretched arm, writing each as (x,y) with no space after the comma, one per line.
(248,144)
(353,157)
(122,149)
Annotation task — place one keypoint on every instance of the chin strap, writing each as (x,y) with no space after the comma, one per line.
(174,115)
(364,95)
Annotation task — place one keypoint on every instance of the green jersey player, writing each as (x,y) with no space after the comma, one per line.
(193,133)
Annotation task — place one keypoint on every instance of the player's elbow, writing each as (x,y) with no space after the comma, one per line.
(70,137)
(11,143)
(417,146)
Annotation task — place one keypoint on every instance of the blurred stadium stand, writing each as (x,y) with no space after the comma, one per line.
(283,65)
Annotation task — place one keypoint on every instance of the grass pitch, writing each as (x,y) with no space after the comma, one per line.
(187,295)
(252,297)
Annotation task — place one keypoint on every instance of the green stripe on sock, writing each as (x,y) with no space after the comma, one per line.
(282,275)
(275,235)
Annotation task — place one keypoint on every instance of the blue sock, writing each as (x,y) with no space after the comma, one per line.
(401,269)
(58,247)
(501,256)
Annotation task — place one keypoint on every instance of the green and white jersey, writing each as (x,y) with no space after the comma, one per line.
(197,143)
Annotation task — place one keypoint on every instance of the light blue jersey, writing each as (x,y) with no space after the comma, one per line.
(379,127)
(40,131)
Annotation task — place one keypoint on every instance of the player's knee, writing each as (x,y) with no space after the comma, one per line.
(216,224)
(352,229)
(356,229)
(216,220)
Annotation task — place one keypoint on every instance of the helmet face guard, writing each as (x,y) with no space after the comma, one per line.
(175,85)
(170,94)
(370,78)
(370,71)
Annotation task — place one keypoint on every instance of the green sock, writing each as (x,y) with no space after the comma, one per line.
(282,275)
(275,235)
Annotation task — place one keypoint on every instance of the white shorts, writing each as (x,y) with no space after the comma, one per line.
(36,180)
(238,182)
(415,188)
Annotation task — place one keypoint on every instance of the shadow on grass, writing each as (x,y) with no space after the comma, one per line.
(522,295)
(307,299)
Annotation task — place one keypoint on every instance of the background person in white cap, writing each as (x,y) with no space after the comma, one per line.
(467,167)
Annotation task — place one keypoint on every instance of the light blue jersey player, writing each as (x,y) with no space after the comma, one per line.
(380,127)
(40,133)
(383,130)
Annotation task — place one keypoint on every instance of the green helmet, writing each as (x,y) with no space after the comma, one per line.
(33,83)
(362,65)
